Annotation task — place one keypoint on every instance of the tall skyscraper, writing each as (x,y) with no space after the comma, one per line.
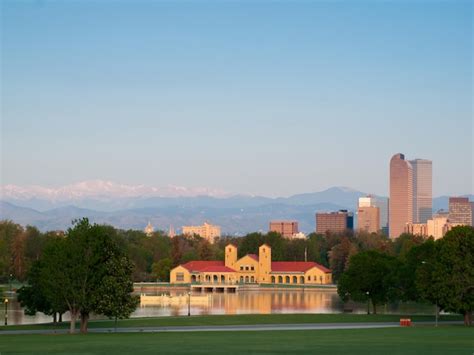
(460,211)
(422,190)
(401,195)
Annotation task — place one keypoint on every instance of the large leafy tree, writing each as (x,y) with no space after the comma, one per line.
(417,267)
(113,297)
(370,275)
(84,268)
(33,296)
(448,277)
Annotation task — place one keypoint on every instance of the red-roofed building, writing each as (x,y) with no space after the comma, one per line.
(251,268)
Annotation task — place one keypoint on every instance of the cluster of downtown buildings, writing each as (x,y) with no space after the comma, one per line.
(409,209)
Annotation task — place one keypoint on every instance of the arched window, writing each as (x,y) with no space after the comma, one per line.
(246,279)
(301,279)
(208,278)
(273,279)
(241,279)
(193,278)
(222,279)
(295,280)
(252,279)
(280,279)
(215,279)
(287,279)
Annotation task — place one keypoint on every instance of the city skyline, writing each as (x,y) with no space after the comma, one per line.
(157,94)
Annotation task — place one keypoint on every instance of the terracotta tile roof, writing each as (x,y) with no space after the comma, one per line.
(296,266)
(201,264)
(253,256)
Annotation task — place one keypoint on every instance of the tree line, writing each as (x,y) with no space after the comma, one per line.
(153,256)
(439,272)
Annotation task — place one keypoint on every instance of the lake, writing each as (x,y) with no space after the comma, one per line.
(256,302)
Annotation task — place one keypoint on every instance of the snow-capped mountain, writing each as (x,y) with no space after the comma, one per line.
(100,189)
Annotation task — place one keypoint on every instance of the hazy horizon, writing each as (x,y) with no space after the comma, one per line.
(259,98)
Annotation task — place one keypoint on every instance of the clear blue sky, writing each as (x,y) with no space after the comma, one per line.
(263,97)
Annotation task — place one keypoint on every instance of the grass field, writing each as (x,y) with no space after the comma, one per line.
(242,319)
(415,340)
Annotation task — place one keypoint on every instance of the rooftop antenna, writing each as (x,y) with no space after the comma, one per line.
(306,254)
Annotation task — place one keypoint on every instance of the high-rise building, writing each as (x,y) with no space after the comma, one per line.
(460,211)
(206,231)
(286,228)
(422,190)
(382,204)
(368,215)
(334,222)
(438,225)
(416,229)
(401,195)
(367,201)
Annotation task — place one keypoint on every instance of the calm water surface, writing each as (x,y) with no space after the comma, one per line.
(256,302)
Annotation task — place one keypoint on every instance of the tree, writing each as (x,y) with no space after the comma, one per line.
(114,297)
(448,279)
(161,269)
(370,275)
(9,231)
(339,256)
(33,296)
(405,242)
(177,247)
(318,249)
(205,250)
(416,267)
(83,268)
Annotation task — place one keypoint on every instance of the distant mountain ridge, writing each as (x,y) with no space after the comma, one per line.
(236,215)
(100,189)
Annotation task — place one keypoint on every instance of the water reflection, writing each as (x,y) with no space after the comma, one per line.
(261,302)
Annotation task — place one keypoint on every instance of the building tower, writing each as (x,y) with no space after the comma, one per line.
(422,190)
(460,212)
(265,263)
(285,228)
(230,256)
(401,195)
(368,215)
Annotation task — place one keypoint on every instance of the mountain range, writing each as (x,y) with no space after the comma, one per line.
(132,207)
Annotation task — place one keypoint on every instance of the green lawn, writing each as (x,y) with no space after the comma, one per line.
(415,340)
(242,319)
